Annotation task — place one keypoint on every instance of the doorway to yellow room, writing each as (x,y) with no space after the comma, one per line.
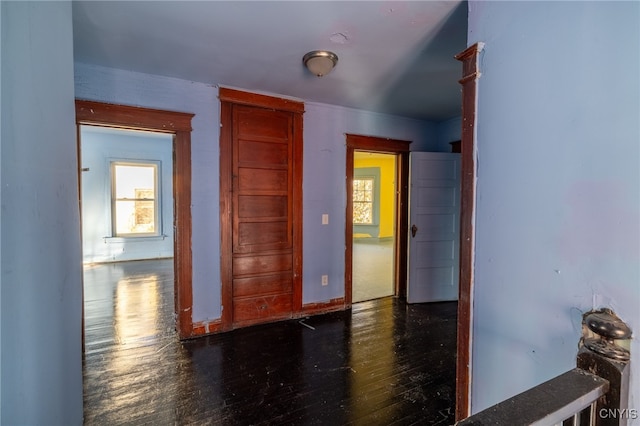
(374,233)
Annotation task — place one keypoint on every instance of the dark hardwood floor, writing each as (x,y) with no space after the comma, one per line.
(382,362)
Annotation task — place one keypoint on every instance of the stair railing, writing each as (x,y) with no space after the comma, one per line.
(595,393)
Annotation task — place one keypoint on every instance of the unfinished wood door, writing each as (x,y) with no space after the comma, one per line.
(262,214)
(262,201)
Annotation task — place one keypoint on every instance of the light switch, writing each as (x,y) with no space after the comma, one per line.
(325,219)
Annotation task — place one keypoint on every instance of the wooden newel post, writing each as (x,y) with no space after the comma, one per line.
(602,355)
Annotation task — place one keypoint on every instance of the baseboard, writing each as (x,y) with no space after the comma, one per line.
(373,240)
(323,307)
(203,328)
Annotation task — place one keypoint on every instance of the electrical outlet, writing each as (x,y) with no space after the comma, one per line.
(325,280)
(325,219)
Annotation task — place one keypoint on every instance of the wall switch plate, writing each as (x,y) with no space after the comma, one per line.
(325,280)
(325,219)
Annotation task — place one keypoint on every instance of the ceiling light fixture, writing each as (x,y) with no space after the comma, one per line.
(320,62)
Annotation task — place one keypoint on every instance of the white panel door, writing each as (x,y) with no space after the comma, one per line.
(434,227)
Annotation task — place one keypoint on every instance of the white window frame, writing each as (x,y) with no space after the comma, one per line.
(372,179)
(157,207)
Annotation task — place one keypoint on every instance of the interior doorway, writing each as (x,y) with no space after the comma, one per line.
(374,225)
(127,194)
(127,215)
(376,218)
(177,126)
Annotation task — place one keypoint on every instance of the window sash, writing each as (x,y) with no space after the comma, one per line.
(135,207)
(363,200)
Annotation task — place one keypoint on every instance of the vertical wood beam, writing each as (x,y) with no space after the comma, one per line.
(182,258)
(402,174)
(297,210)
(470,74)
(226,221)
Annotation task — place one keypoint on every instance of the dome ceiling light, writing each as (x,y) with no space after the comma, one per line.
(320,62)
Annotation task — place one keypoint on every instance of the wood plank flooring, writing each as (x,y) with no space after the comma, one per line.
(381,363)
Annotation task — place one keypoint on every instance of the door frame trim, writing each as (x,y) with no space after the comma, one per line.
(401,149)
(179,125)
(229,97)
(470,59)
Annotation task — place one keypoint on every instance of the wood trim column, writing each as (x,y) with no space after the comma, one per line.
(297,210)
(348,253)
(226,220)
(403,225)
(470,75)
(182,259)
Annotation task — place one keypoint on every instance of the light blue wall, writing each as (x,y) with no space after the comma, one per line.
(324,170)
(41,260)
(558,186)
(448,131)
(129,88)
(101,146)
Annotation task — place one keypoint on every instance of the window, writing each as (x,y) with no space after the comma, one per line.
(134,199)
(363,200)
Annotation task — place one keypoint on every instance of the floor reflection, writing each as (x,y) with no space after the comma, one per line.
(129,333)
(375,376)
(382,362)
(131,324)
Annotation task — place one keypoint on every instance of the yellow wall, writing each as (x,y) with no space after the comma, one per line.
(387,165)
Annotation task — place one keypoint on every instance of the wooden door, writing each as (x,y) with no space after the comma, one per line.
(265,257)
(434,220)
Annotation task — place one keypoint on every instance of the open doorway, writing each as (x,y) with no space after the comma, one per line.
(374,225)
(376,221)
(127,194)
(127,237)
(176,126)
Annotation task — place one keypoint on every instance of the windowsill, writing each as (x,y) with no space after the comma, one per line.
(137,238)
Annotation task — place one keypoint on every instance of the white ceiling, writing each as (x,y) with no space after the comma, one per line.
(395,57)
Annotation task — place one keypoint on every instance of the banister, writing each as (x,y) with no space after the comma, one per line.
(596,393)
(549,403)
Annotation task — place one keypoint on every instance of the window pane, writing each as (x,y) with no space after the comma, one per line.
(135,203)
(134,217)
(363,201)
(362,213)
(130,178)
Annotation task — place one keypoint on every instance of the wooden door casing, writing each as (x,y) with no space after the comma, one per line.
(260,208)
(401,150)
(179,124)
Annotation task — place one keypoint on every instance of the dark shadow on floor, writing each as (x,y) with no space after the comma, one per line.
(382,362)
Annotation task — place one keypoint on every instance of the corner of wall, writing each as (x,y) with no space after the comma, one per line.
(448,131)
